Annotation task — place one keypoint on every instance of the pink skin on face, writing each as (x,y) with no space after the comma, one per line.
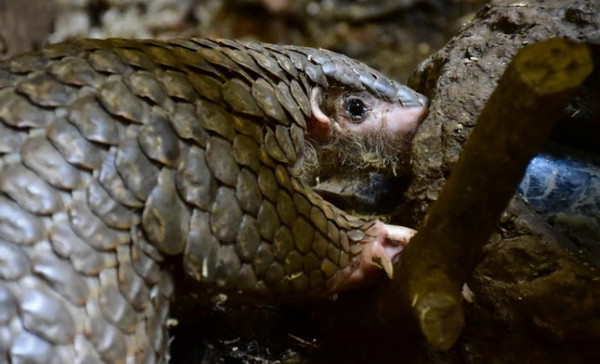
(390,118)
(383,116)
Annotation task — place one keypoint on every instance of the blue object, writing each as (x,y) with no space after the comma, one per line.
(566,190)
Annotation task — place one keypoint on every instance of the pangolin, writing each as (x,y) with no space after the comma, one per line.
(118,155)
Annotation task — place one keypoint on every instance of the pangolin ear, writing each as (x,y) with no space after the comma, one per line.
(319,125)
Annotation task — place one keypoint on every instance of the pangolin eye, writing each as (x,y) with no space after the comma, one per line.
(356,109)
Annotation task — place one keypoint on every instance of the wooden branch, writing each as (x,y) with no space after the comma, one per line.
(512,128)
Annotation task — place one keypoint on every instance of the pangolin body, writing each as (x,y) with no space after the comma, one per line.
(116,154)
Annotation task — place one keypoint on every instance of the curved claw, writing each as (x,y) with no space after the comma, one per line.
(380,250)
(396,238)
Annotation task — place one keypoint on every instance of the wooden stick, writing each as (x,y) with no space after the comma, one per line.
(511,129)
